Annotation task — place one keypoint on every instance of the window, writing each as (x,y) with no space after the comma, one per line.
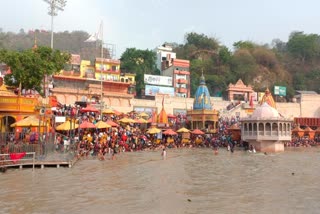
(114,68)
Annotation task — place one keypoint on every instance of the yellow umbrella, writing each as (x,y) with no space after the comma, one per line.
(141,120)
(102,125)
(183,130)
(153,131)
(108,111)
(67,126)
(27,122)
(143,114)
(127,120)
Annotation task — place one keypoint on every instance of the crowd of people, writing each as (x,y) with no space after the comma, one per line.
(134,137)
(130,137)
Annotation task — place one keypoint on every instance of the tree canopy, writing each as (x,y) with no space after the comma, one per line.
(139,62)
(29,67)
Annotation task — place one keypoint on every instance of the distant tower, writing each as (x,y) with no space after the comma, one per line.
(35,46)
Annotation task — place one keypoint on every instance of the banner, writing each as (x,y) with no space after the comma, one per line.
(280,90)
(157,80)
(152,90)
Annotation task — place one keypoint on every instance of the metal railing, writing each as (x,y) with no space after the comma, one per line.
(7,161)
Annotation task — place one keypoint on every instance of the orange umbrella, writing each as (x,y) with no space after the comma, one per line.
(169,132)
(89,109)
(87,125)
(111,123)
(197,131)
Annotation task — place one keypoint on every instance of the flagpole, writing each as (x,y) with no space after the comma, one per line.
(102,61)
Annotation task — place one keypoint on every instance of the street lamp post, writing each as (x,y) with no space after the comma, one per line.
(54,6)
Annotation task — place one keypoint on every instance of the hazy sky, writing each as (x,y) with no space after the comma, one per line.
(145,24)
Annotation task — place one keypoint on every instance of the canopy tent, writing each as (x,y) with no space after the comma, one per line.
(102,125)
(171,116)
(298,131)
(154,130)
(87,125)
(108,111)
(89,108)
(66,126)
(28,121)
(111,123)
(127,120)
(183,130)
(141,121)
(117,112)
(310,132)
(170,132)
(197,132)
(143,114)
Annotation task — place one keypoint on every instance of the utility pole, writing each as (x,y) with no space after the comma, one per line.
(54,6)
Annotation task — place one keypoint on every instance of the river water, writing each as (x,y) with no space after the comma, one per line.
(188,181)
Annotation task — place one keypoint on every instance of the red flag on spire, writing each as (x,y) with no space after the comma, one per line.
(9,71)
(162,101)
(251,101)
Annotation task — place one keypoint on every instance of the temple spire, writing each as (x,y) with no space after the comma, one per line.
(35,46)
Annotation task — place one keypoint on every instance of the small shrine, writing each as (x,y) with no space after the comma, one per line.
(266,129)
(267,98)
(239,91)
(202,116)
(162,118)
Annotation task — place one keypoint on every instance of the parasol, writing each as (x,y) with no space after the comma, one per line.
(87,125)
(169,132)
(89,109)
(153,131)
(28,121)
(183,130)
(102,125)
(66,126)
(197,131)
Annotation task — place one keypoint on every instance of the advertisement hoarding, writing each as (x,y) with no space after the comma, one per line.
(280,90)
(157,80)
(152,90)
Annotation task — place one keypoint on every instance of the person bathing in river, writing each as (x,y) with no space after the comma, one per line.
(164,154)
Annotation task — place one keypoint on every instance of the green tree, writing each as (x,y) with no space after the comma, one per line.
(30,66)
(304,46)
(139,62)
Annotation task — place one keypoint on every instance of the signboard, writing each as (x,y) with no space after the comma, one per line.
(152,90)
(260,96)
(60,119)
(280,90)
(157,80)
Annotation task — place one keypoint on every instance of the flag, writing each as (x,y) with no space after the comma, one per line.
(8,71)
(251,101)
(162,101)
(16,156)
(96,36)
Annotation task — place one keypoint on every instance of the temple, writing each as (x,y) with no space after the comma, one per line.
(266,129)
(239,91)
(267,98)
(202,116)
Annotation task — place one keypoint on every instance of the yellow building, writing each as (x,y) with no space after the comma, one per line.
(109,69)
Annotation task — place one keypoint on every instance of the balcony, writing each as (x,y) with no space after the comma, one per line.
(182,81)
(182,90)
(71,73)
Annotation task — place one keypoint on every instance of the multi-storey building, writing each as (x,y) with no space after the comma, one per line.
(99,82)
(178,69)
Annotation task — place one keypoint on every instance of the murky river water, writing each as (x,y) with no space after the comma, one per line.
(189,181)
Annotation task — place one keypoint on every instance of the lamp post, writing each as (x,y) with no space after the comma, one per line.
(54,6)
